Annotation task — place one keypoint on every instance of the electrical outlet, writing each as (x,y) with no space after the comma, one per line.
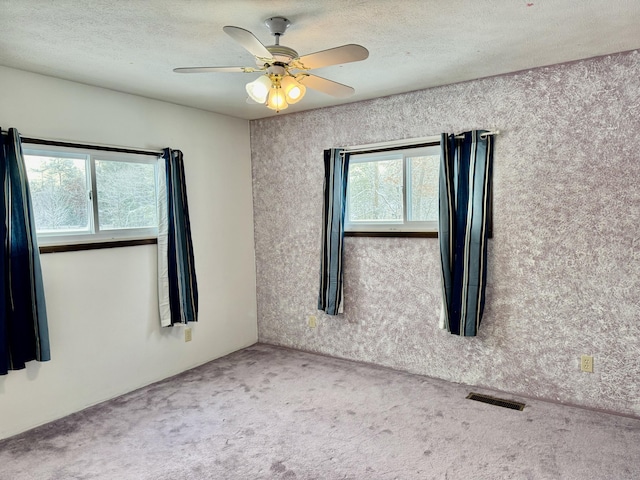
(187,334)
(586,363)
(313,321)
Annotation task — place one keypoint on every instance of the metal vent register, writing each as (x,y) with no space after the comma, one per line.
(500,402)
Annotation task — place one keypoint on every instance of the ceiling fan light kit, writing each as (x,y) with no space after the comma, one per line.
(280,85)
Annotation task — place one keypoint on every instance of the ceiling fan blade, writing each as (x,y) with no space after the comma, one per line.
(333,56)
(329,87)
(249,41)
(216,69)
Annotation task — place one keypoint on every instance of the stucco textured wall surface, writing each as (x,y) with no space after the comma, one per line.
(564,262)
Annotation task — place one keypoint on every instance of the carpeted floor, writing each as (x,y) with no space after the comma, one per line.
(267,412)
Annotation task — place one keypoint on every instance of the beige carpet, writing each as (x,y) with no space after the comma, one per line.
(267,412)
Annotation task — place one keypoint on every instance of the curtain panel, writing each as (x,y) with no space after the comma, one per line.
(24,334)
(177,284)
(465,193)
(336,166)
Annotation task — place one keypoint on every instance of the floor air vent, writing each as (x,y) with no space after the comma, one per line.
(500,402)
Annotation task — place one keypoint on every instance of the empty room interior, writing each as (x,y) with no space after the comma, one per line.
(308,327)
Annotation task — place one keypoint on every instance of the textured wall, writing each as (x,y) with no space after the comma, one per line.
(564,263)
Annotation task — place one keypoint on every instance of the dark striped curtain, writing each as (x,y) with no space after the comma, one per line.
(24,335)
(177,285)
(465,192)
(336,166)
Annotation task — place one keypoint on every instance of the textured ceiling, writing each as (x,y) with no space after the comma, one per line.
(132,46)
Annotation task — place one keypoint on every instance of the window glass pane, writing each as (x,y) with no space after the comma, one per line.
(375,191)
(59,193)
(126,195)
(423,206)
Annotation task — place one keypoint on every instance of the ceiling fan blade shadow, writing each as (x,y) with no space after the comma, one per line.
(329,87)
(249,41)
(333,56)
(216,69)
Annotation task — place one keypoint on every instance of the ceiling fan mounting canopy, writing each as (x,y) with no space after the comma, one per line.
(285,76)
(277,25)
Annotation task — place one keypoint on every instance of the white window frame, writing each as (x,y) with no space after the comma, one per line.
(93,234)
(399,226)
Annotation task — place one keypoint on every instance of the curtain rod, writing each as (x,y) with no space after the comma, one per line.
(406,144)
(88,146)
(485,134)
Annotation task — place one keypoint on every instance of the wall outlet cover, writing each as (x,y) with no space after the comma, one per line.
(586,363)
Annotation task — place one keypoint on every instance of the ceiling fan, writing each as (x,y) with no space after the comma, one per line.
(285,76)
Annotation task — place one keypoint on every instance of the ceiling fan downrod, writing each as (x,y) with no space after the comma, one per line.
(277,26)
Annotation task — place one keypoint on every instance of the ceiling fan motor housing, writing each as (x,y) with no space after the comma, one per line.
(282,54)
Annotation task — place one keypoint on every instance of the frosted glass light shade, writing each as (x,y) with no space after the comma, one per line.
(259,89)
(293,90)
(276,100)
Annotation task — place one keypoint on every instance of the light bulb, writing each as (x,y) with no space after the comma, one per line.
(259,89)
(293,90)
(276,100)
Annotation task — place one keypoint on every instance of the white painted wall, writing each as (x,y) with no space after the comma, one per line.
(102,304)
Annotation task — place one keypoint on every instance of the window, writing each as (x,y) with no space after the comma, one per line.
(82,196)
(393,191)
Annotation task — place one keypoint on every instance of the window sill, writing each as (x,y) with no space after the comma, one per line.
(392,234)
(402,234)
(75,247)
